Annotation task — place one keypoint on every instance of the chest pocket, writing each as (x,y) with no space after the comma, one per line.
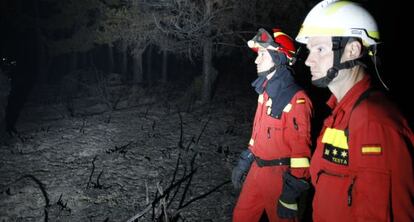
(335,141)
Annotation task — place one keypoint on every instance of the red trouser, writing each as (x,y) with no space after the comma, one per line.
(260,192)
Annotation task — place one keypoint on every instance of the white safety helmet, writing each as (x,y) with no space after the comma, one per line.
(341,19)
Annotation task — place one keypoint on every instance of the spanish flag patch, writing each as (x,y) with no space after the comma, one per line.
(300,101)
(371,149)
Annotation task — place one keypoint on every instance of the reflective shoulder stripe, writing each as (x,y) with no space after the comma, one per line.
(289,206)
(287,108)
(301,162)
(335,137)
(260,99)
(269,106)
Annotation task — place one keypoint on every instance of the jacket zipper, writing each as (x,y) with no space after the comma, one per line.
(351,186)
(295,124)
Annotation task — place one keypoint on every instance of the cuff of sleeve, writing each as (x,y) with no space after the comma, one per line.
(300,162)
(293,206)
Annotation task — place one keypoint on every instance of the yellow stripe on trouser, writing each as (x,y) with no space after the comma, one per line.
(299,162)
(251,142)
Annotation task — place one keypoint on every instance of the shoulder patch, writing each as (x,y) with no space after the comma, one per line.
(300,101)
(375,149)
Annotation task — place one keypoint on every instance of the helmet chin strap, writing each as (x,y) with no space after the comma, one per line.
(265,73)
(338,46)
(333,72)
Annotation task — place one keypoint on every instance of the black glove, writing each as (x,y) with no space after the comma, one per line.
(287,206)
(245,161)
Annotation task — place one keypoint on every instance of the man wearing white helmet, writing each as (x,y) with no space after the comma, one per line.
(277,158)
(362,168)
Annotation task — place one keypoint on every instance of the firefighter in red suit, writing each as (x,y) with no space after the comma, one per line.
(277,158)
(362,169)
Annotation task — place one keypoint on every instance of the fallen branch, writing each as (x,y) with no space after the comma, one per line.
(93,169)
(204,194)
(42,189)
(180,143)
(202,131)
(157,199)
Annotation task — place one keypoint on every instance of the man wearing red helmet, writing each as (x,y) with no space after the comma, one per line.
(277,158)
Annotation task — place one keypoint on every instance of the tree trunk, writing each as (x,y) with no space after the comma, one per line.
(82,59)
(137,75)
(207,71)
(150,75)
(72,62)
(123,59)
(206,92)
(109,58)
(164,67)
(41,69)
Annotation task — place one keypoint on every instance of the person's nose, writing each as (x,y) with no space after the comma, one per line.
(309,60)
(258,59)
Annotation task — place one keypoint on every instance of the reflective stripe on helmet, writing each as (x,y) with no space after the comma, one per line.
(339,18)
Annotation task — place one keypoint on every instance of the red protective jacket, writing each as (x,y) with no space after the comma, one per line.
(288,136)
(274,138)
(362,168)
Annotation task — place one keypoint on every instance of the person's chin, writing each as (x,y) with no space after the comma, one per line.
(315,77)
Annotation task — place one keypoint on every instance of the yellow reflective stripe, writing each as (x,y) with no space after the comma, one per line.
(287,108)
(300,101)
(321,31)
(289,206)
(333,8)
(308,30)
(276,34)
(251,142)
(269,102)
(299,162)
(371,149)
(335,137)
(269,106)
(260,99)
(373,34)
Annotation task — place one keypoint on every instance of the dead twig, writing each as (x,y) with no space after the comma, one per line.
(163,204)
(202,131)
(158,198)
(93,169)
(187,186)
(42,189)
(180,143)
(204,194)
(120,149)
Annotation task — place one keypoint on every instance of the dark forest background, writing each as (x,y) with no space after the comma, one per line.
(155,42)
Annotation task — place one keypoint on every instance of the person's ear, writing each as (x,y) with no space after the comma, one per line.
(353,50)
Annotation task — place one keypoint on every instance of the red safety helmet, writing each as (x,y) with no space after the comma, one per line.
(280,42)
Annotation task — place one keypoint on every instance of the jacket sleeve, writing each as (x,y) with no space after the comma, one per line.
(384,183)
(298,134)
